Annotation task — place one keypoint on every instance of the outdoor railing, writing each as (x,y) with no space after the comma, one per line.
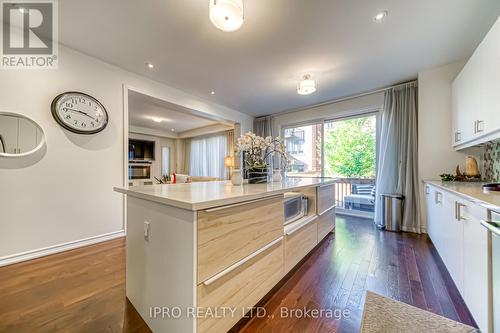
(344,187)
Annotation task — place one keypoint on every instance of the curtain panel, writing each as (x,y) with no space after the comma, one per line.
(397,171)
(206,156)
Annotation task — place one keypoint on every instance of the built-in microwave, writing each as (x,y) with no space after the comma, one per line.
(139,170)
(295,206)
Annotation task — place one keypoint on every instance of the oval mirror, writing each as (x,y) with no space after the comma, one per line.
(19,135)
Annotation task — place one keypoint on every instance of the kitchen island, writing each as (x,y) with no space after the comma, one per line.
(201,255)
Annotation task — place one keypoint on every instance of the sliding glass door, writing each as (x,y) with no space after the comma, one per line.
(343,148)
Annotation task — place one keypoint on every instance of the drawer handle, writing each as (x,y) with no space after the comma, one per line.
(327,210)
(490,227)
(325,185)
(301,225)
(241,262)
(241,203)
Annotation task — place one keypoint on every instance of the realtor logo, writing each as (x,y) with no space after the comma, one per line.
(29,34)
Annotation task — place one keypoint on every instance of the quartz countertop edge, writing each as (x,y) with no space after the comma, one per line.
(205,195)
(470,191)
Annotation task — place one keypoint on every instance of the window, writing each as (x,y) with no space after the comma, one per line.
(207,156)
(165,161)
(303,144)
(350,147)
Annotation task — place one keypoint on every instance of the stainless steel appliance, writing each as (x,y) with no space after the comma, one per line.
(493,225)
(295,205)
(139,170)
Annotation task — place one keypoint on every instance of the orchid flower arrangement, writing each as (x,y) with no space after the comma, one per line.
(259,150)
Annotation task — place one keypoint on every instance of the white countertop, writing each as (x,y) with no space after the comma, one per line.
(203,195)
(471,191)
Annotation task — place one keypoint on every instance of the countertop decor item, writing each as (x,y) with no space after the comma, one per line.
(277,176)
(79,113)
(471,167)
(257,153)
(237,179)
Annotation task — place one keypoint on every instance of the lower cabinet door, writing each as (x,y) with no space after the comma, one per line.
(299,243)
(326,224)
(476,264)
(238,290)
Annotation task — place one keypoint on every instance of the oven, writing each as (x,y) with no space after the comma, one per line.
(295,206)
(139,170)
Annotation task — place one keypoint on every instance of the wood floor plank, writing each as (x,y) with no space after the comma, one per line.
(83,290)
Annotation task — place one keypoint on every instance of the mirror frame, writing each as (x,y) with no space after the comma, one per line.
(34,150)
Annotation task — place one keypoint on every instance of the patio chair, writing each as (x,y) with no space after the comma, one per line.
(361,198)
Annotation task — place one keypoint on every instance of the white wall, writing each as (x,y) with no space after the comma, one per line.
(68,194)
(334,110)
(435,153)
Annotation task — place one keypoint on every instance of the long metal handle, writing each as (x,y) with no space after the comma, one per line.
(300,225)
(436,199)
(241,262)
(490,227)
(241,203)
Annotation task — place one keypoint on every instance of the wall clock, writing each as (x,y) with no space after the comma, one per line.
(79,113)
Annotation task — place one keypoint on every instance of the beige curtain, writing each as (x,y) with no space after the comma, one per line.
(230,148)
(397,171)
(183,147)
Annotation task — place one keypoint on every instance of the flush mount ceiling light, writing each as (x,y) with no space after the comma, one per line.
(226,15)
(212,92)
(306,86)
(157,120)
(380,16)
(150,65)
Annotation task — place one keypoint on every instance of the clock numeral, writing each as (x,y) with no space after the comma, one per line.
(69,105)
(76,122)
(68,116)
(92,123)
(83,125)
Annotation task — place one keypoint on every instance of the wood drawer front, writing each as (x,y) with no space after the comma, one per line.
(228,235)
(325,198)
(299,244)
(241,288)
(326,224)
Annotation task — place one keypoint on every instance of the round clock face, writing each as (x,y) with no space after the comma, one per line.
(79,113)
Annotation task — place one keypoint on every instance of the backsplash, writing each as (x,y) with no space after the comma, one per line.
(492,161)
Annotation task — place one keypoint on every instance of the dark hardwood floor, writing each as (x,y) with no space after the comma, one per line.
(83,290)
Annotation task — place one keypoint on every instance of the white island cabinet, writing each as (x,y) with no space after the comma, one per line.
(201,255)
(462,243)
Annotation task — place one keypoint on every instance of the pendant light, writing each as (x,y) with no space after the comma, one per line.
(306,86)
(226,15)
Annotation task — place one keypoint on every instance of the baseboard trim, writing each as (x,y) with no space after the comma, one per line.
(45,251)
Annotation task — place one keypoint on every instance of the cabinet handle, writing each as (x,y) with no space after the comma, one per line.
(241,262)
(480,126)
(301,225)
(438,200)
(427,189)
(459,211)
(242,203)
(458,136)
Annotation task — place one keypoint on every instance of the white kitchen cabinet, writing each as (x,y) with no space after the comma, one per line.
(490,79)
(462,243)
(475,263)
(475,97)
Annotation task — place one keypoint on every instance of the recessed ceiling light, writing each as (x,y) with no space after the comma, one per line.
(172,129)
(380,16)
(157,120)
(212,93)
(150,65)
(306,86)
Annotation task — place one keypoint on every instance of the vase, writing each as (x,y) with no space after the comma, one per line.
(277,178)
(258,175)
(236,178)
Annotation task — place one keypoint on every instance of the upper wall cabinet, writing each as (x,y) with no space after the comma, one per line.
(475,94)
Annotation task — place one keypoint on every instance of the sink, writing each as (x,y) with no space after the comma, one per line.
(494,187)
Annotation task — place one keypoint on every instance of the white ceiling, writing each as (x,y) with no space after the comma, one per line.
(255,69)
(142,109)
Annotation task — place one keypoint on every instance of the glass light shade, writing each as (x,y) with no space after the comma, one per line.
(306,86)
(226,15)
(229,161)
